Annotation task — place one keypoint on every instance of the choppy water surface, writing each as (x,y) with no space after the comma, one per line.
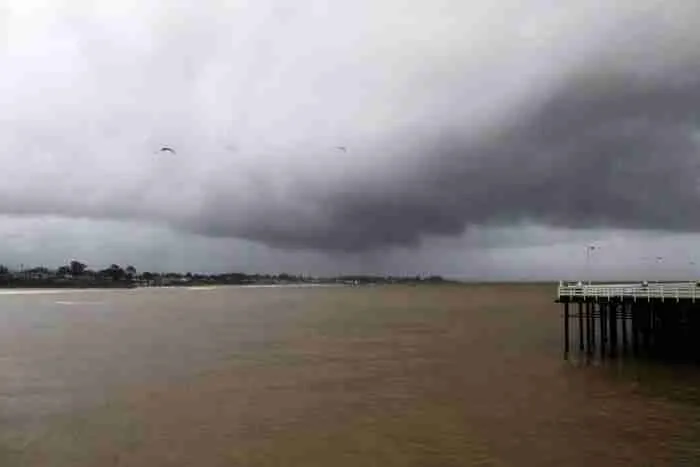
(405,376)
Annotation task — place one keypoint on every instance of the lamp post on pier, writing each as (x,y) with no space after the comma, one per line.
(657,262)
(589,251)
(692,268)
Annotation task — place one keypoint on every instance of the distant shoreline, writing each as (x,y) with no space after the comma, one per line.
(43,290)
(74,287)
(102,280)
(6,289)
(29,285)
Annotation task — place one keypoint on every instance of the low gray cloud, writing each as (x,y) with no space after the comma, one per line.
(455,115)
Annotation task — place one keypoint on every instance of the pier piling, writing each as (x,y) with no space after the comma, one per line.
(603,328)
(566,329)
(623,325)
(580,326)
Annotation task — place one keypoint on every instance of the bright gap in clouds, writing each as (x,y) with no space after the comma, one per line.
(522,253)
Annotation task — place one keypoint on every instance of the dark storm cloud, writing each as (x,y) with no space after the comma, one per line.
(453,114)
(606,150)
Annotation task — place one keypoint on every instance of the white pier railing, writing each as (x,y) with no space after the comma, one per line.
(659,290)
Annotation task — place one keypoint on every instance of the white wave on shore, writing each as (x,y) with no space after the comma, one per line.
(43,291)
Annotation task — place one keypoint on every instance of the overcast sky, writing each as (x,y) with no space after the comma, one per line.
(490,139)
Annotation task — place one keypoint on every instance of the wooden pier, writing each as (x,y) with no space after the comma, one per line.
(654,319)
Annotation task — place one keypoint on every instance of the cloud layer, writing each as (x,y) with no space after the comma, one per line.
(454,114)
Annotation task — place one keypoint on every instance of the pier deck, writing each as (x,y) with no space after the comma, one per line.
(661,291)
(654,318)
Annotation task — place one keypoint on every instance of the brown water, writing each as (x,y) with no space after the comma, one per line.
(385,376)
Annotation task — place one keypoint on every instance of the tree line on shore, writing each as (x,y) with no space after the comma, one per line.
(78,274)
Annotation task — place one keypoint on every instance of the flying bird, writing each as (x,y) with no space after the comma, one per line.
(342,148)
(167,149)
